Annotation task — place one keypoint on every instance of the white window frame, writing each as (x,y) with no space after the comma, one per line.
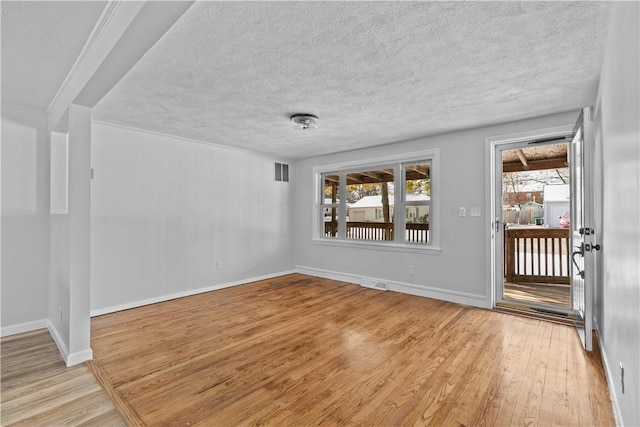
(397,162)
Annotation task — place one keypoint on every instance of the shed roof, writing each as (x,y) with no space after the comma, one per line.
(556,193)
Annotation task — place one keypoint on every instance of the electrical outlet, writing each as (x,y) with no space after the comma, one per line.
(622,377)
(411,270)
(462,211)
(219,265)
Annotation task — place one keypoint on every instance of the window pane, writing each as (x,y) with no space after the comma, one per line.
(417,201)
(331,185)
(330,200)
(370,204)
(417,224)
(418,181)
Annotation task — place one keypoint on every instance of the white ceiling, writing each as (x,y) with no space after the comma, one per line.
(40,43)
(232,73)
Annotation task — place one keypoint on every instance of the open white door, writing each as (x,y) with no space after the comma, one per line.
(582,231)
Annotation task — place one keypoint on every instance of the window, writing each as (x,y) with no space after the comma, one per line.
(417,185)
(386,203)
(330,203)
(369,195)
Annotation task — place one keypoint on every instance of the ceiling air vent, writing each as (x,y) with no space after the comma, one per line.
(282,172)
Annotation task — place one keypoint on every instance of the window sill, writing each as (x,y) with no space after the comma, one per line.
(372,245)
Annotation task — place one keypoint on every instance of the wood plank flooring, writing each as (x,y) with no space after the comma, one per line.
(300,351)
(39,390)
(540,293)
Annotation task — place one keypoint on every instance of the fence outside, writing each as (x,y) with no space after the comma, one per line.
(378,231)
(537,255)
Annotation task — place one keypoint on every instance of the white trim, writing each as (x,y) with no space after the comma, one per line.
(78,357)
(405,288)
(162,298)
(116,17)
(416,248)
(24,327)
(70,359)
(551,132)
(431,154)
(610,377)
(329,274)
(457,297)
(378,161)
(491,144)
(62,348)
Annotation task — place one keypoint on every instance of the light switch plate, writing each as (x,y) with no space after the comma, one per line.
(475,211)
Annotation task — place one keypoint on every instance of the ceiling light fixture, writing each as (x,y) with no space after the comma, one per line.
(305,121)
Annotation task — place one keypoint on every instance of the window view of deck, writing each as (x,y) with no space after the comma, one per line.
(371,203)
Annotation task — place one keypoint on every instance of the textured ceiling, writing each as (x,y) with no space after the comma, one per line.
(374,72)
(40,43)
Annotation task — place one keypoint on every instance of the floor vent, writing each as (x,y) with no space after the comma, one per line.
(374,284)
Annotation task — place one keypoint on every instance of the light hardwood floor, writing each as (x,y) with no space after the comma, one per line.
(299,350)
(540,293)
(39,390)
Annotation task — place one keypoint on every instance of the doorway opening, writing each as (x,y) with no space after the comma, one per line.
(534,207)
(548,261)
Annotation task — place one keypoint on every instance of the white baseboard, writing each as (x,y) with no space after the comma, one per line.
(24,327)
(608,373)
(78,357)
(162,298)
(70,359)
(405,288)
(62,348)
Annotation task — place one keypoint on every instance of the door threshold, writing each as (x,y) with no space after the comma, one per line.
(533,313)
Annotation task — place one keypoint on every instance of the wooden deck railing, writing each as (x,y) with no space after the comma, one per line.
(416,233)
(537,255)
(370,230)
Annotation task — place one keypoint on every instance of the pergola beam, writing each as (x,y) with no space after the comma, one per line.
(554,163)
(523,159)
(421,170)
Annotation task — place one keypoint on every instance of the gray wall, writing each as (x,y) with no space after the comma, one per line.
(618,143)
(165,211)
(456,274)
(25,217)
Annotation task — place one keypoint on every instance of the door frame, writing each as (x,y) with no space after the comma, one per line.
(493,246)
(584,232)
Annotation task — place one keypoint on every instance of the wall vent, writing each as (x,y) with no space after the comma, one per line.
(374,284)
(282,172)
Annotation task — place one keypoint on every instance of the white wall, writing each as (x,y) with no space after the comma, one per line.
(458,272)
(165,210)
(69,242)
(25,218)
(60,279)
(618,141)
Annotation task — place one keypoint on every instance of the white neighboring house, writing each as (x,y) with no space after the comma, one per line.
(369,209)
(556,203)
(327,211)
